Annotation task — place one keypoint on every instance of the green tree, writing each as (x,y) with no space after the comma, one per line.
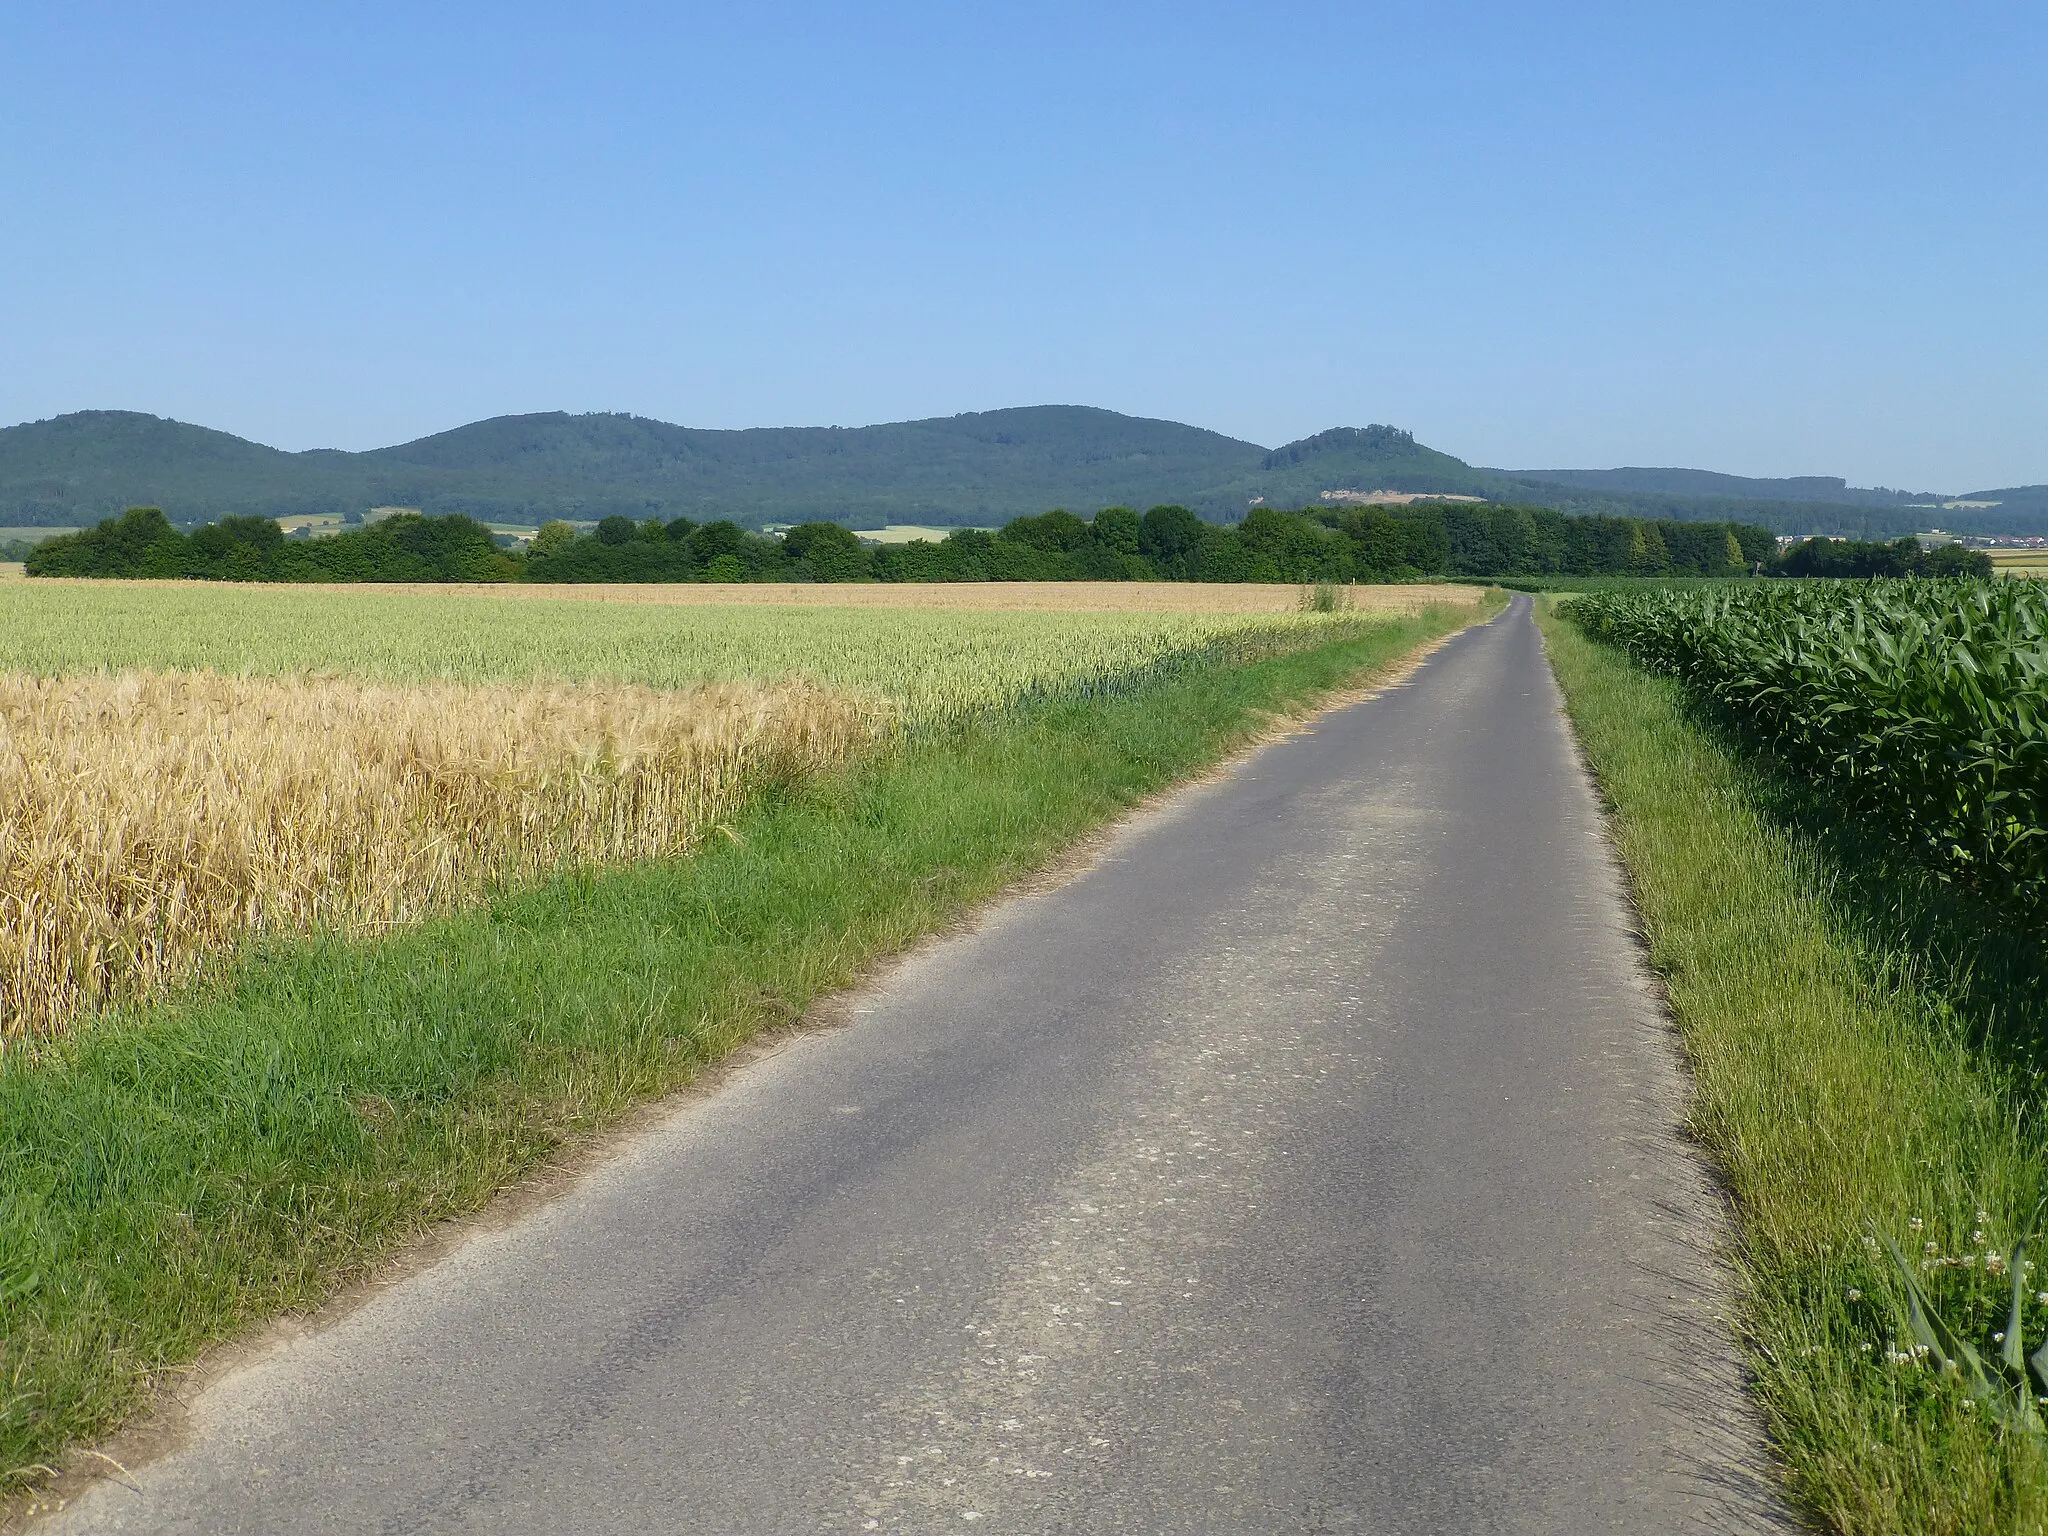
(1647,555)
(552,539)
(1116,529)
(1057,532)
(1171,538)
(826,552)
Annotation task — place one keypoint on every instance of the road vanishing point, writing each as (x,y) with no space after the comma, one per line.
(1310,1161)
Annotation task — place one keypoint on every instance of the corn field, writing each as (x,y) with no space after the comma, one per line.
(1923,704)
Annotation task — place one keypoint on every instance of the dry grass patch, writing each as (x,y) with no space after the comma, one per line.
(149,820)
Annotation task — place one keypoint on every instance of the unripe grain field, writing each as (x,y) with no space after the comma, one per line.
(186,765)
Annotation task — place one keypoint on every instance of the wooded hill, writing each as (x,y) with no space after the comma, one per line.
(982,468)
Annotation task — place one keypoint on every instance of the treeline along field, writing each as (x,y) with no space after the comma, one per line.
(1341,544)
(1922,705)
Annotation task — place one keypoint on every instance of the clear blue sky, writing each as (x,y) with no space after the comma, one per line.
(1771,239)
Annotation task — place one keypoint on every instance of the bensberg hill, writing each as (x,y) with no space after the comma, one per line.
(981,468)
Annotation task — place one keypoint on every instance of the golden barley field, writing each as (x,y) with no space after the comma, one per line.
(150,819)
(183,766)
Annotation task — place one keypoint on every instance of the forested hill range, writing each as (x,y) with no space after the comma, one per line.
(982,468)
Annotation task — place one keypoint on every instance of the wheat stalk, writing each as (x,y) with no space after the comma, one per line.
(150,820)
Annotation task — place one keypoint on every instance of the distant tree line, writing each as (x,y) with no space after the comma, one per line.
(1169,543)
(142,543)
(1899,557)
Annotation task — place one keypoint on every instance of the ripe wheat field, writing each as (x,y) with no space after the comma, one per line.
(183,766)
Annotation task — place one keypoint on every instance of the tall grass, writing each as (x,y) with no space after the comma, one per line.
(1862,1048)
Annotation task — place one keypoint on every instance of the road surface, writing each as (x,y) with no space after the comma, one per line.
(1309,1163)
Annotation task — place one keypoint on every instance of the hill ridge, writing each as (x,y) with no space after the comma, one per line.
(974,467)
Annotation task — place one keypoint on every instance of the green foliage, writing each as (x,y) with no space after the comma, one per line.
(1922,704)
(1864,1060)
(552,539)
(1171,537)
(142,543)
(1900,557)
(1369,544)
(1117,530)
(1057,532)
(2003,1386)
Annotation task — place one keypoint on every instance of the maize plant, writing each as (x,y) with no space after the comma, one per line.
(2007,1384)
(1923,704)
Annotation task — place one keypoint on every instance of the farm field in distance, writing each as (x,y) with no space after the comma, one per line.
(921,652)
(2019,562)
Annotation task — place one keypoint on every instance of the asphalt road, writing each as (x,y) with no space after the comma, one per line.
(1309,1163)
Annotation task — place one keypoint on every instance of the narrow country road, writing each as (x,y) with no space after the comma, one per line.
(1308,1164)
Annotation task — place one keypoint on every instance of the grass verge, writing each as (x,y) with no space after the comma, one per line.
(169,1176)
(1862,1048)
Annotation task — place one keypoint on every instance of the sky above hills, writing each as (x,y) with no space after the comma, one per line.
(1769,240)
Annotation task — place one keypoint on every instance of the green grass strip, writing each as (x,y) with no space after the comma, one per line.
(170,1176)
(1850,1082)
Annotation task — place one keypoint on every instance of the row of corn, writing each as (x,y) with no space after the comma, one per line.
(1922,704)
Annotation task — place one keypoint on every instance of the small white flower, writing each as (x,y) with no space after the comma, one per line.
(1933,1248)
(1854,1294)
(1914,1223)
(1977,1237)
